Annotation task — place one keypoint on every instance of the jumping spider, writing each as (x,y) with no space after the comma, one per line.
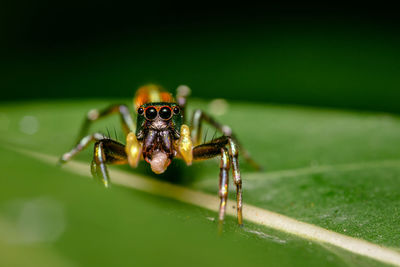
(160,135)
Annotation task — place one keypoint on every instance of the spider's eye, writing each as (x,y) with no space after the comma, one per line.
(140,111)
(165,113)
(151,113)
(176,110)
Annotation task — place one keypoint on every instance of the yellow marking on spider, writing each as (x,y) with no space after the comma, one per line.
(133,149)
(185,145)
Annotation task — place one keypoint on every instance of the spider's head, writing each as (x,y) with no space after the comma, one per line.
(158,125)
(158,116)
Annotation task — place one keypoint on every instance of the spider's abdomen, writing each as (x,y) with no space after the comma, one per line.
(151,93)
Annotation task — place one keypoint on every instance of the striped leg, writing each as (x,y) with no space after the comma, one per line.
(82,144)
(228,158)
(199,116)
(237,180)
(93,115)
(223,183)
(107,151)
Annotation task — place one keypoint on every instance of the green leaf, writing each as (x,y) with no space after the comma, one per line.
(335,169)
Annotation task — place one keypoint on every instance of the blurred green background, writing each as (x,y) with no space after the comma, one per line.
(336,56)
(60,59)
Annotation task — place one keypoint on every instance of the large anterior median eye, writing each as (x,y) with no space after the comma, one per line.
(151,113)
(165,113)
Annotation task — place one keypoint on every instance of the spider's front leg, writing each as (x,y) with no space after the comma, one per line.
(84,140)
(107,151)
(229,158)
(197,120)
(93,115)
(228,139)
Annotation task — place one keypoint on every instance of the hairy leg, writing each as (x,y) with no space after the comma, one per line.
(93,115)
(228,158)
(107,151)
(199,116)
(82,144)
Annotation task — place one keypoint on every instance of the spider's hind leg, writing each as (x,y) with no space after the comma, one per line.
(182,93)
(95,114)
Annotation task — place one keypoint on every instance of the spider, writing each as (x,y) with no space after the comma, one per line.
(160,135)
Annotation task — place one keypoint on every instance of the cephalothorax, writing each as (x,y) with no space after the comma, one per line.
(159,136)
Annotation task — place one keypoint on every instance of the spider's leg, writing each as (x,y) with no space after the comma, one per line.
(107,151)
(228,158)
(93,115)
(82,144)
(182,93)
(237,179)
(199,116)
(223,183)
